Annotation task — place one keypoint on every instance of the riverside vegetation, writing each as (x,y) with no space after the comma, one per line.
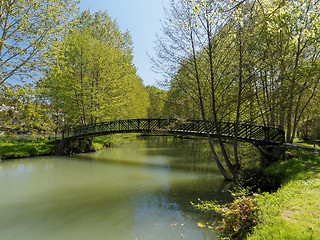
(28,146)
(290,212)
(11,147)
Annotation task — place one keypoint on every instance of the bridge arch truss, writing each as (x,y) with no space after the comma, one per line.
(261,135)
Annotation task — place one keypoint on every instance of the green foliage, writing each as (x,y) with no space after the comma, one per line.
(179,103)
(23,109)
(91,76)
(212,207)
(265,60)
(310,130)
(112,140)
(27,28)
(157,98)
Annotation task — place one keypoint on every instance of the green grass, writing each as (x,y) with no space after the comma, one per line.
(17,148)
(309,144)
(293,212)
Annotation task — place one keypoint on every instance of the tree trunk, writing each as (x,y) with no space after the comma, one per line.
(236,125)
(215,156)
(214,110)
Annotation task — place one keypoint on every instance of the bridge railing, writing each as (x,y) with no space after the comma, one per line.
(227,129)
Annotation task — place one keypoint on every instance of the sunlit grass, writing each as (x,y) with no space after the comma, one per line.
(17,148)
(293,212)
(309,144)
(26,146)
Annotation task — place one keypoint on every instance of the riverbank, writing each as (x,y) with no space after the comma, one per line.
(290,212)
(293,212)
(12,147)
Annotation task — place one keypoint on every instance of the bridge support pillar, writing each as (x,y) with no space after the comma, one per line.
(69,146)
(272,153)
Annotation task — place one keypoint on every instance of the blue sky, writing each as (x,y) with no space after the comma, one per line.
(142,19)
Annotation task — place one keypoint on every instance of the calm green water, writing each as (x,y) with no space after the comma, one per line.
(140,190)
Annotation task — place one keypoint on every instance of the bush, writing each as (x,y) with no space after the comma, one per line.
(238,217)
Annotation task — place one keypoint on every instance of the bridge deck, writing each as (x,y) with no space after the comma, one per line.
(251,133)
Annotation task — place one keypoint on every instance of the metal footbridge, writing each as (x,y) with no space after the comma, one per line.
(261,135)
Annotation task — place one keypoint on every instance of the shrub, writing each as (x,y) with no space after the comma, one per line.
(238,217)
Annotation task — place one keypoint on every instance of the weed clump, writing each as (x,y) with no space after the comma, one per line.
(243,214)
(238,217)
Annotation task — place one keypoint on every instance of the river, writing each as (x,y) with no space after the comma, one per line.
(139,190)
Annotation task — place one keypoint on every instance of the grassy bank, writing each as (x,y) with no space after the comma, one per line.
(20,147)
(13,147)
(310,143)
(293,212)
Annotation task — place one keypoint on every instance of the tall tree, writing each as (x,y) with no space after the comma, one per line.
(92,78)
(191,44)
(289,59)
(243,61)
